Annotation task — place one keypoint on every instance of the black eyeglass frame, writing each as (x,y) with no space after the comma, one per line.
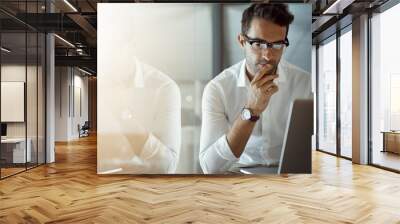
(269,45)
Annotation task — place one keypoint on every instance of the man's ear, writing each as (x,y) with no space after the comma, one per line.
(241,40)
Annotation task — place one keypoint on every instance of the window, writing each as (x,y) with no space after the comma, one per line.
(327,96)
(385,89)
(346,93)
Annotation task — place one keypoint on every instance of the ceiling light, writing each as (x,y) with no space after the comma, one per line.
(5,50)
(70,5)
(338,6)
(84,71)
(64,40)
(329,9)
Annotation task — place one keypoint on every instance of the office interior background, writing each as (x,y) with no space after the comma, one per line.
(357,85)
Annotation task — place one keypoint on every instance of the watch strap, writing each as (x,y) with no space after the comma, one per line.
(253,117)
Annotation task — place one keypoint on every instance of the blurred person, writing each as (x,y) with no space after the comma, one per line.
(142,133)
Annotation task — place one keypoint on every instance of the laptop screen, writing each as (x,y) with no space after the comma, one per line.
(3,129)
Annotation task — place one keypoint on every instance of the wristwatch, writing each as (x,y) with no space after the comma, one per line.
(247,115)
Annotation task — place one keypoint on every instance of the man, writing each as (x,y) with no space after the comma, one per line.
(140,128)
(245,108)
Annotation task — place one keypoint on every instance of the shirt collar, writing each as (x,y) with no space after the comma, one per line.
(243,80)
(138,83)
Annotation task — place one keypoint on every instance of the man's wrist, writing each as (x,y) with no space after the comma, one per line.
(253,110)
(248,115)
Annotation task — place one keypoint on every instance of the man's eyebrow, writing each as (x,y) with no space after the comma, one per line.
(262,40)
(257,39)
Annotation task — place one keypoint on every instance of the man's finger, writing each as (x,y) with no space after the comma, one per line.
(265,79)
(267,70)
(260,74)
(272,90)
(265,88)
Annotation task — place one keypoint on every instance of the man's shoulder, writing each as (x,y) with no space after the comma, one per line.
(228,76)
(154,77)
(224,82)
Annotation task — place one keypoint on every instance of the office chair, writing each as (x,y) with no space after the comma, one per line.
(84,130)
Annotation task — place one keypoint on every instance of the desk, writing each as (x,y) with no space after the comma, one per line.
(391,141)
(13,150)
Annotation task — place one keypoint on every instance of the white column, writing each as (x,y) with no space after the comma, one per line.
(50,92)
(50,99)
(360,90)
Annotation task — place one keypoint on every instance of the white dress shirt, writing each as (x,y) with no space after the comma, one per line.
(223,100)
(148,101)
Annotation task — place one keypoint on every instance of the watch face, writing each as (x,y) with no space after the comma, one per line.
(246,115)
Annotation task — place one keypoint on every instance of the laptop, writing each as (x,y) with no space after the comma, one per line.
(3,131)
(296,148)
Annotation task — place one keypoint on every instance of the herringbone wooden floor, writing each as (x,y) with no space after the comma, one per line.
(70,191)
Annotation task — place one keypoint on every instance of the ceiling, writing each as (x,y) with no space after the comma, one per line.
(76,22)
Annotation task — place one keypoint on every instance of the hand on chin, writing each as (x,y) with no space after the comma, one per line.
(267,68)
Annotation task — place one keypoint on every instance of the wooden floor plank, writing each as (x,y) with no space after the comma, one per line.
(70,191)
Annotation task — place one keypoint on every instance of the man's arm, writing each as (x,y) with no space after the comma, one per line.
(215,155)
(239,134)
(154,148)
(262,88)
(219,146)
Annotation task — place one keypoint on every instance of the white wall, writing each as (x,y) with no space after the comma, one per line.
(61,103)
(33,126)
(68,81)
(14,73)
(79,117)
(10,73)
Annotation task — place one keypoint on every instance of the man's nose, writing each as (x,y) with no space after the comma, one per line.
(267,53)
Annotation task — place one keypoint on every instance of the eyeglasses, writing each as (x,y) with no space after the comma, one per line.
(259,44)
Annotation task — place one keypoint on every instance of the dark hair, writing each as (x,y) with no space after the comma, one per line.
(277,13)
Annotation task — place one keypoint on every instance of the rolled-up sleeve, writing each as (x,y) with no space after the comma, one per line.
(215,154)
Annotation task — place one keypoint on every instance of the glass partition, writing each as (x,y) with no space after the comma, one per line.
(22,90)
(14,153)
(31,100)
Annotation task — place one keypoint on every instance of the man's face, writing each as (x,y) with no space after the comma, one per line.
(263,58)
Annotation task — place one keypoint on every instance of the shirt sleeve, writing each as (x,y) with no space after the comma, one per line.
(215,154)
(160,152)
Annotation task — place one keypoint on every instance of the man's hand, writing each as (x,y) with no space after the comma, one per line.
(262,88)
